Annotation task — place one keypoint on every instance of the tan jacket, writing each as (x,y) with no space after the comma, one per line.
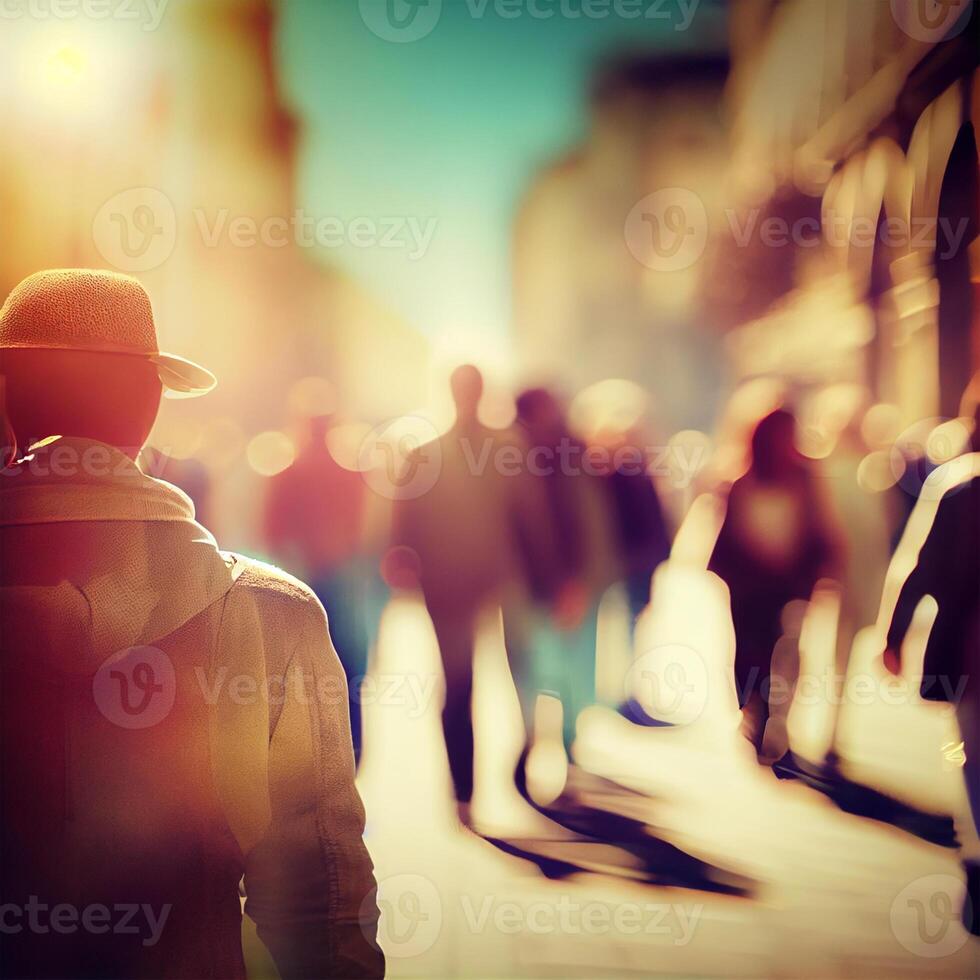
(175,719)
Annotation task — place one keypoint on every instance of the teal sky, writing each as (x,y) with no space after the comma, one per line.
(452,126)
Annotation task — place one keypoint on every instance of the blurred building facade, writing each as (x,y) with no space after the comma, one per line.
(585,308)
(832,179)
(193,111)
(861,119)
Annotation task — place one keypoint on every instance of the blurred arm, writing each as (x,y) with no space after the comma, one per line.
(310,881)
(924,577)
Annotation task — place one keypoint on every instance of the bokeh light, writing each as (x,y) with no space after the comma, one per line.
(270,452)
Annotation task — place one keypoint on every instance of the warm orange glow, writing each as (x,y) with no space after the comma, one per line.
(179,438)
(344,443)
(312,396)
(66,66)
(270,453)
(611,406)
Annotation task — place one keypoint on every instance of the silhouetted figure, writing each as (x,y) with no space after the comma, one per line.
(568,560)
(774,545)
(642,534)
(866,517)
(459,534)
(314,516)
(948,568)
(173,717)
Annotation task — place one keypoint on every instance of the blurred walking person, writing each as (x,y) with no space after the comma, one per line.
(568,542)
(947,567)
(867,514)
(173,716)
(775,543)
(314,528)
(642,536)
(460,538)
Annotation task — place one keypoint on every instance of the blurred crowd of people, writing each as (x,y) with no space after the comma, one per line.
(540,520)
(523,518)
(119,609)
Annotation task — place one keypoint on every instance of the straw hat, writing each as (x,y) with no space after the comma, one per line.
(92,310)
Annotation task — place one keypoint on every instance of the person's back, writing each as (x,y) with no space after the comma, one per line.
(939,555)
(461,528)
(643,536)
(776,536)
(314,524)
(174,718)
(774,544)
(314,510)
(947,567)
(459,539)
(108,780)
(564,505)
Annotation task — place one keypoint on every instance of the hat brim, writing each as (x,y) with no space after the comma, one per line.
(182,378)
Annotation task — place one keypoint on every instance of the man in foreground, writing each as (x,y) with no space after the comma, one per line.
(174,718)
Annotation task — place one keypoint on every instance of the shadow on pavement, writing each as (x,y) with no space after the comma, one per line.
(605,842)
(864,801)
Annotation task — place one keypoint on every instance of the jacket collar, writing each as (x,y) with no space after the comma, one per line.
(75,479)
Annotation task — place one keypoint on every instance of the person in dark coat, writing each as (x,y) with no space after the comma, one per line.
(455,542)
(948,568)
(774,545)
(642,533)
(567,554)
